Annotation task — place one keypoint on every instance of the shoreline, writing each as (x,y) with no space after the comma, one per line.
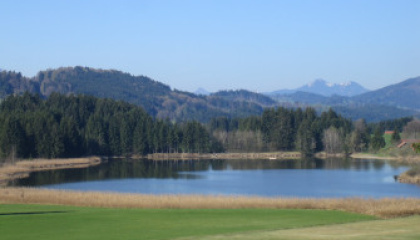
(405,159)
(22,169)
(411,176)
(384,208)
(189,156)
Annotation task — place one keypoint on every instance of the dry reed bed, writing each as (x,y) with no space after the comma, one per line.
(410,176)
(411,159)
(384,208)
(23,168)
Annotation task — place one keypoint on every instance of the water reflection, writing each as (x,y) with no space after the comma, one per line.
(134,168)
(294,178)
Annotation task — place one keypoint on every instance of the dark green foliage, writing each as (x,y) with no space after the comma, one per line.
(377,142)
(396,136)
(305,138)
(392,124)
(416,147)
(71,126)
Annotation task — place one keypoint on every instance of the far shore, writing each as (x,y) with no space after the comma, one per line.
(188,156)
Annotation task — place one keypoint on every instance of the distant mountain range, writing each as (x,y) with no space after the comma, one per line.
(324,88)
(395,101)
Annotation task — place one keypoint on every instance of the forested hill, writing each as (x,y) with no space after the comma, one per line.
(245,95)
(72,126)
(156,98)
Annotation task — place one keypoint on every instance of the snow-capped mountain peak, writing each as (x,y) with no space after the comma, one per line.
(329,84)
(346,84)
(322,87)
(325,88)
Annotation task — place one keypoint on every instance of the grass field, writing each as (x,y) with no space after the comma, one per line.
(394,229)
(68,222)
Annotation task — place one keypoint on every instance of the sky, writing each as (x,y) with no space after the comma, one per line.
(260,46)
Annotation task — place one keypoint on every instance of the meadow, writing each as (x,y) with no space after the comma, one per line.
(69,222)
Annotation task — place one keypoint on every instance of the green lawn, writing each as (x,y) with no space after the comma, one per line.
(394,229)
(65,222)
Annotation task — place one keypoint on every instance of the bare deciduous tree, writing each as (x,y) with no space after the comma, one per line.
(412,129)
(333,141)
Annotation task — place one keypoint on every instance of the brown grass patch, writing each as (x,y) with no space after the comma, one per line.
(385,208)
(410,176)
(23,168)
(411,159)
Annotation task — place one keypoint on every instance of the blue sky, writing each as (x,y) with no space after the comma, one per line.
(256,45)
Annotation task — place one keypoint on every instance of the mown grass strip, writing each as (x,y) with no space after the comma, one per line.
(67,222)
(393,229)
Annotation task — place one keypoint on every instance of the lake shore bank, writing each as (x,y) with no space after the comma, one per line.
(403,159)
(411,176)
(384,208)
(22,169)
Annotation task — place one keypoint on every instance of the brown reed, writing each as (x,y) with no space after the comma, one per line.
(22,169)
(384,208)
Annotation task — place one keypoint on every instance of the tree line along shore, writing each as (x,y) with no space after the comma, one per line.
(188,156)
(77,125)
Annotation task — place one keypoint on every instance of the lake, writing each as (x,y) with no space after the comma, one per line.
(269,178)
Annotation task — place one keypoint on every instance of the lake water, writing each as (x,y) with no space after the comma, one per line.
(285,178)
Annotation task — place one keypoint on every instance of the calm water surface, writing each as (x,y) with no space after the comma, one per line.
(287,178)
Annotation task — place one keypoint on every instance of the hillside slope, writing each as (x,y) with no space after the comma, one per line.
(156,98)
(405,94)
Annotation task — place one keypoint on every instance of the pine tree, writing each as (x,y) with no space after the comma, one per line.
(377,141)
(396,138)
(305,142)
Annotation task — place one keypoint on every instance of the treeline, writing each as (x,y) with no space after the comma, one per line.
(77,125)
(283,129)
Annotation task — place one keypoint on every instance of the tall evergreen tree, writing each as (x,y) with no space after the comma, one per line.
(395,137)
(377,142)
